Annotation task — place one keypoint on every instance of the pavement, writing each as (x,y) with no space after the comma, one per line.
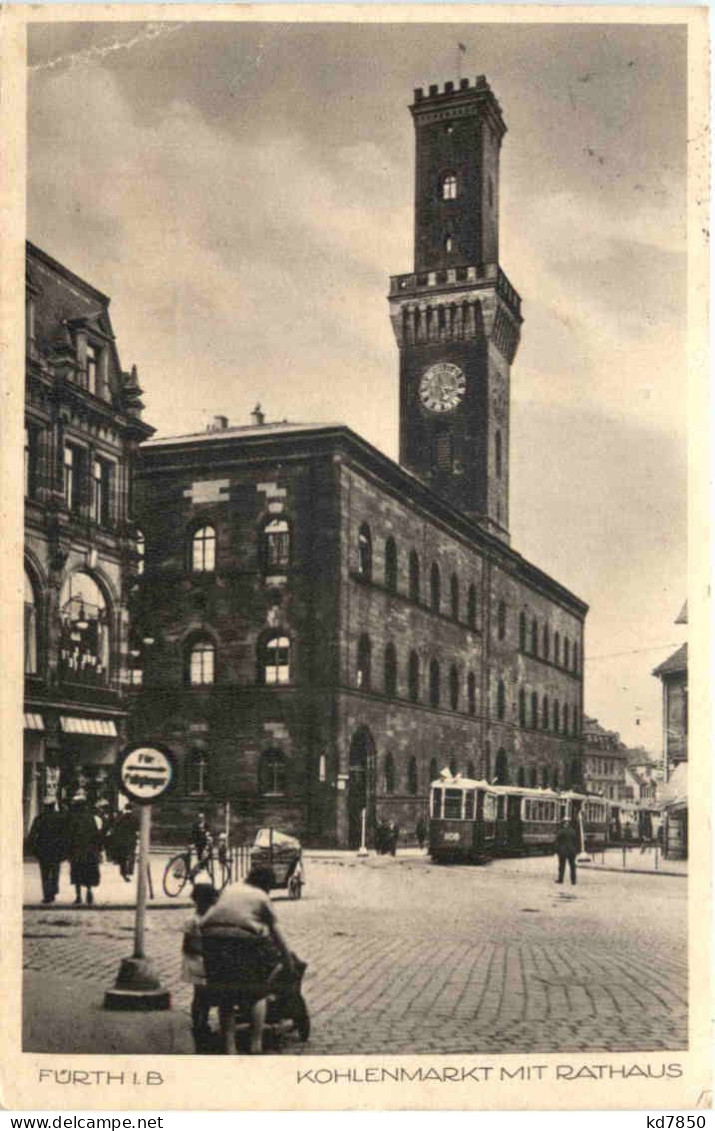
(404,957)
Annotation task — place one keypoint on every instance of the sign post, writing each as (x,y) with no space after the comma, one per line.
(145,773)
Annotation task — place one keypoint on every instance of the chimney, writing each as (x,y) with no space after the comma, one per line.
(218,424)
(257,416)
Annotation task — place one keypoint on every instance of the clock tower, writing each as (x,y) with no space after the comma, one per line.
(456,317)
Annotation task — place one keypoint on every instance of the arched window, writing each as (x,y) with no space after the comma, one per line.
(472,606)
(201,660)
(449,186)
(501,620)
(412,778)
(566,651)
(390,670)
(365,552)
(453,687)
(534,638)
(413,677)
(414,576)
(197,769)
(520,776)
(497,454)
(534,709)
(434,682)
(435,588)
(276,544)
(471,693)
(203,550)
(389,768)
(364,659)
(522,707)
(454,596)
(545,712)
(533,779)
(276,660)
(501,699)
(566,718)
(391,565)
(487,763)
(545,642)
(557,716)
(471,772)
(272,773)
(502,768)
(141,553)
(557,648)
(522,632)
(575,657)
(84,631)
(30,628)
(433,770)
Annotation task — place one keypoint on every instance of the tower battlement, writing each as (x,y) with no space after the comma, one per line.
(458,99)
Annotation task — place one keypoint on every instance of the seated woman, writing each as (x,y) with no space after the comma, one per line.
(242,944)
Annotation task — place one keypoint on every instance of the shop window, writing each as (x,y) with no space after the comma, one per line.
(391,565)
(414,677)
(435,589)
(472,606)
(390,671)
(276,660)
(84,631)
(31,627)
(201,658)
(203,550)
(272,773)
(364,660)
(365,552)
(389,768)
(454,596)
(501,699)
(454,688)
(471,693)
(412,777)
(197,772)
(414,577)
(434,683)
(276,544)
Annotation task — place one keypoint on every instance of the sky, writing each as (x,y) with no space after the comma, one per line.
(243,191)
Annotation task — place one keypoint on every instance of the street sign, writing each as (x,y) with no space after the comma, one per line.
(145,772)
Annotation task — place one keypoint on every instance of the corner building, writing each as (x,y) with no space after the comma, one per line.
(326,630)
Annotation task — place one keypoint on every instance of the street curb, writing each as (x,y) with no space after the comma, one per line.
(180,905)
(633,871)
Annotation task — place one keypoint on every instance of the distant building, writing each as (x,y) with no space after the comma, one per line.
(673,674)
(82,429)
(604,760)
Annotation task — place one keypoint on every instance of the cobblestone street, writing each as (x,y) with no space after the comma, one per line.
(406,957)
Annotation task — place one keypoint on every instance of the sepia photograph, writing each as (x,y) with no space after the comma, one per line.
(359,413)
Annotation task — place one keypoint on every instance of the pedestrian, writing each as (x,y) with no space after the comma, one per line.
(193,969)
(124,842)
(393,835)
(47,840)
(566,845)
(200,838)
(85,848)
(421,832)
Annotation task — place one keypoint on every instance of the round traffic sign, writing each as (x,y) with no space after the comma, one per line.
(145,772)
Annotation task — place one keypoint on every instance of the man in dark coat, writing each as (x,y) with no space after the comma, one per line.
(124,841)
(85,848)
(566,847)
(48,842)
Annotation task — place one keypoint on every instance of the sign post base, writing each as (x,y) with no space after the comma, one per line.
(137,987)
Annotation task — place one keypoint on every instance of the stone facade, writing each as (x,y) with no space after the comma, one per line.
(82,429)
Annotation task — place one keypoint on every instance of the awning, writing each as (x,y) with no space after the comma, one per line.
(33,721)
(102,728)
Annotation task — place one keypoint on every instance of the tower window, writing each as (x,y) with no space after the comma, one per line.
(203,550)
(449,187)
(365,552)
(442,452)
(448,243)
(364,657)
(201,663)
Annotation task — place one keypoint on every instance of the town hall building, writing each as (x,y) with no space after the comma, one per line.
(320,630)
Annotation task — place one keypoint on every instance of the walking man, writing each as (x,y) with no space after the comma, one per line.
(48,842)
(566,847)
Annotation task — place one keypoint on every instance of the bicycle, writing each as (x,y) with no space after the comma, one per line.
(178,872)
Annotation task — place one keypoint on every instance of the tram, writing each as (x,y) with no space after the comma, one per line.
(472,821)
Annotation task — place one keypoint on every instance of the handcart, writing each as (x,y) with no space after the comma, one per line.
(283,855)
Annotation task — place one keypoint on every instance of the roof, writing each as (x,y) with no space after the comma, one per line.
(675,664)
(64,298)
(244,431)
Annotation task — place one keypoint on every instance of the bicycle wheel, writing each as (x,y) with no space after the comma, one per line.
(176,874)
(221,876)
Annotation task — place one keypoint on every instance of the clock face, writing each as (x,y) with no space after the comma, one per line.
(442,387)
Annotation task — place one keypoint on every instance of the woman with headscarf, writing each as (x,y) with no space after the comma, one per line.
(85,848)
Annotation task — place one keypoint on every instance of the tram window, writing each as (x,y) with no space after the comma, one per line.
(436,802)
(490,806)
(453,804)
(501,808)
(527,809)
(469,805)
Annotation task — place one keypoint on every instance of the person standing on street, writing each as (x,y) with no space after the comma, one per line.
(85,848)
(566,846)
(421,832)
(124,842)
(47,841)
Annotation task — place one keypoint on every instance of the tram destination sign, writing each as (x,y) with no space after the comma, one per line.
(145,772)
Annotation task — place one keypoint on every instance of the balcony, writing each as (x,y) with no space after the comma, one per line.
(457,278)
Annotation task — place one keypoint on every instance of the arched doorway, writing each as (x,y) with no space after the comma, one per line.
(361,786)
